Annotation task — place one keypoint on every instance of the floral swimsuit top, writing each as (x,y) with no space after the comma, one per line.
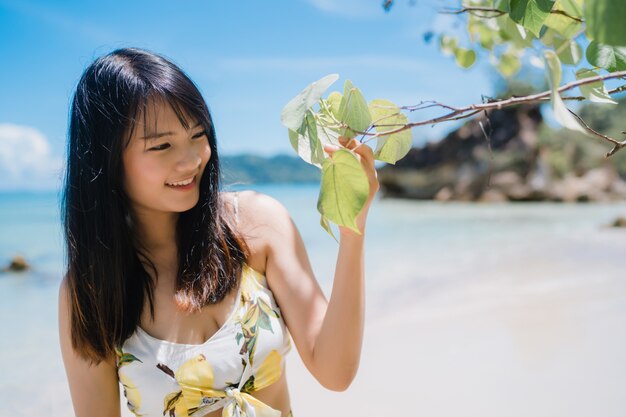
(245,355)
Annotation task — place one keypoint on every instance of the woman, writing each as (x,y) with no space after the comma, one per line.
(184,294)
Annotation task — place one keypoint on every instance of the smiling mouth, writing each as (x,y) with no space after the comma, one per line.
(182,182)
(183,185)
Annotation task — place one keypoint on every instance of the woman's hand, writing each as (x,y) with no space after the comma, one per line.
(366,156)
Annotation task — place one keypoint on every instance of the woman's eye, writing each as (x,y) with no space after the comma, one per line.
(161,147)
(199,135)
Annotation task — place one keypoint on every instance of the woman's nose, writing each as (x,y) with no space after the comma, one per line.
(189,161)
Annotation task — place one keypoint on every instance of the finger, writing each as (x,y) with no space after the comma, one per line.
(346,142)
(366,152)
(330,148)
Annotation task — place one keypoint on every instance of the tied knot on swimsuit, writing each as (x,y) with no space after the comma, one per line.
(235,394)
(242,404)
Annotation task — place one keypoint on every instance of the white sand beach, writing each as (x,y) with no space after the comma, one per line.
(542,334)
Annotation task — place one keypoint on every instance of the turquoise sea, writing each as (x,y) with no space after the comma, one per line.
(416,252)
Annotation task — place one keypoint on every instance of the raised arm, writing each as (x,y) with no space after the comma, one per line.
(94,388)
(328,335)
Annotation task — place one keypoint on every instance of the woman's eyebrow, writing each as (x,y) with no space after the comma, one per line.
(158,135)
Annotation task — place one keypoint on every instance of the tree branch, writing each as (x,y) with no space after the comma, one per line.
(618,145)
(458,113)
(475,10)
(478,12)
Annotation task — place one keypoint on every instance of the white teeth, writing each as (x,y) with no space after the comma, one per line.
(186,182)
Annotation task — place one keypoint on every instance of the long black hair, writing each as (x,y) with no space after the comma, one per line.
(107,269)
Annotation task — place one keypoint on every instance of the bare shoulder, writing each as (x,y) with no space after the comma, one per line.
(262,219)
(261,211)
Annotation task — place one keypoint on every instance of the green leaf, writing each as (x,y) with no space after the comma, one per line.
(514,32)
(531,13)
(294,139)
(486,31)
(561,114)
(326,225)
(294,112)
(344,189)
(384,112)
(448,44)
(595,91)
(504,5)
(570,52)
(305,141)
(317,152)
(393,147)
(327,135)
(509,64)
(605,21)
(572,7)
(611,58)
(564,25)
(334,100)
(353,111)
(465,58)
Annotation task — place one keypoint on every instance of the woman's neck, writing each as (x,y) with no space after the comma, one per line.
(156,232)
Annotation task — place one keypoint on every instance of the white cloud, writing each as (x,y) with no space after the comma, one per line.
(378,62)
(25,159)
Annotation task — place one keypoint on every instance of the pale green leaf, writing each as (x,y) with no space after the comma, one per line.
(305,141)
(509,64)
(611,58)
(317,152)
(549,37)
(384,112)
(353,111)
(326,225)
(504,5)
(572,7)
(465,58)
(294,139)
(570,52)
(327,135)
(561,114)
(564,25)
(531,13)
(344,189)
(514,32)
(595,91)
(486,31)
(334,100)
(394,147)
(605,21)
(448,44)
(293,113)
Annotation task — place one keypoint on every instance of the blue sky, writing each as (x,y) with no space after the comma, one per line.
(249,59)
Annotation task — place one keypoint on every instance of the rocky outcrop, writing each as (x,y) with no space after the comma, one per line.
(619,222)
(495,159)
(17,264)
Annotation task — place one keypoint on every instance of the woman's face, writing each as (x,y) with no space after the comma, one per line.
(159,164)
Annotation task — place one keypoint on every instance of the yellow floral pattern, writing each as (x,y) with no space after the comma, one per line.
(133,397)
(256,324)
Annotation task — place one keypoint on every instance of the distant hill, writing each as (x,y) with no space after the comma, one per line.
(251,169)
